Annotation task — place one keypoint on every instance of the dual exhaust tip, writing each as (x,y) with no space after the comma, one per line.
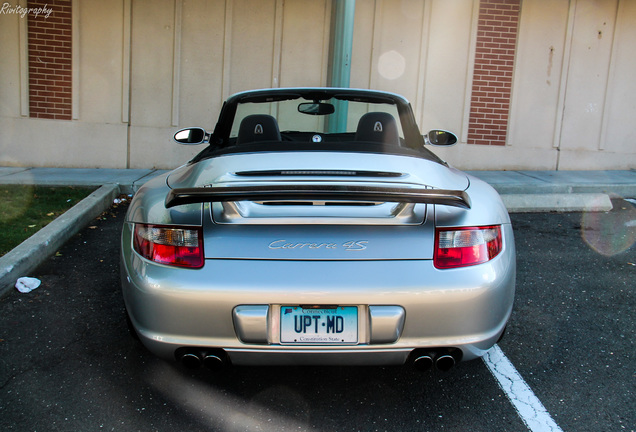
(422,359)
(213,359)
(443,358)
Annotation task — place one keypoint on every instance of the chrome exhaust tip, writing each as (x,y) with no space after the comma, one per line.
(190,360)
(443,358)
(445,362)
(211,358)
(213,362)
(423,362)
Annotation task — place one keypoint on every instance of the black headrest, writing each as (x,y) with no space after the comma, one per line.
(258,127)
(378,127)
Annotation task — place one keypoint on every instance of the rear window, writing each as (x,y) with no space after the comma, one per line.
(328,120)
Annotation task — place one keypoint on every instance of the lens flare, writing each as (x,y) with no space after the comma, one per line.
(613,232)
(391,65)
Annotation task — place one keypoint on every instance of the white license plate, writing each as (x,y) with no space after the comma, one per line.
(335,325)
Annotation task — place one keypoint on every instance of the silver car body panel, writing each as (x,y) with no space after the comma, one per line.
(318,241)
(376,213)
(224,169)
(465,308)
(487,208)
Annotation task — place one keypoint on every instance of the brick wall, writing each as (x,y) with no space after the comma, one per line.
(50,60)
(492,77)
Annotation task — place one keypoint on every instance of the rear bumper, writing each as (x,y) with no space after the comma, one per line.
(464,308)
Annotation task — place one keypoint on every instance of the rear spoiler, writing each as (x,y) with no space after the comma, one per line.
(454,198)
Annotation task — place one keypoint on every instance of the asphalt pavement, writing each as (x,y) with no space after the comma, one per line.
(67,361)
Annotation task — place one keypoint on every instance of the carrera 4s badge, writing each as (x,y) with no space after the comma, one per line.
(353,245)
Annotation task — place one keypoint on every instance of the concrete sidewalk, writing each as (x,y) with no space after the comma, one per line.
(540,191)
(128,180)
(621,183)
(522,191)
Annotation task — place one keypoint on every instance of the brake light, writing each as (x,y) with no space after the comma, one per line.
(170,245)
(461,247)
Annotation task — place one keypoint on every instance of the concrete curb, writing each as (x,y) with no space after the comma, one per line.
(24,258)
(574,202)
(622,190)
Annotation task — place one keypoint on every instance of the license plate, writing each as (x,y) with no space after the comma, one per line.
(336,325)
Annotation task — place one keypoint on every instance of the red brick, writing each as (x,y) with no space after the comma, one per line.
(492,57)
(496,73)
(492,75)
(50,60)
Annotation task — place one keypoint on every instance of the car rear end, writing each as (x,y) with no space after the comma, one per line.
(282,280)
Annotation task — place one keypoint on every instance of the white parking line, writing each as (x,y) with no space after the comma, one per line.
(528,406)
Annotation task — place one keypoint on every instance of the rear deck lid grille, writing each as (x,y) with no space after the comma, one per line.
(320,173)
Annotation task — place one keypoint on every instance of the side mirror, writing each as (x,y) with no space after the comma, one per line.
(438,137)
(192,136)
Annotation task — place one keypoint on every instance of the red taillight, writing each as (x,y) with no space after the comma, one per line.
(170,245)
(461,247)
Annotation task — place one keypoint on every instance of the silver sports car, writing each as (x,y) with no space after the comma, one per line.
(317,228)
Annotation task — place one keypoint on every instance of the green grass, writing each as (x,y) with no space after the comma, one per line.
(26,209)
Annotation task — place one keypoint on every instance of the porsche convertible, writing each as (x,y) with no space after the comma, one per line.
(316,227)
